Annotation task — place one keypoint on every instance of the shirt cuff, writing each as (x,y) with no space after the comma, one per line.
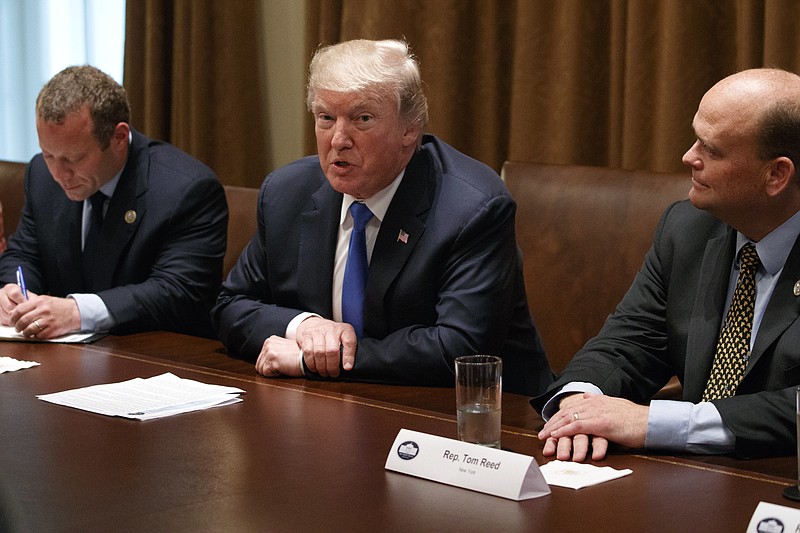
(291,329)
(93,311)
(302,365)
(687,427)
(551,407)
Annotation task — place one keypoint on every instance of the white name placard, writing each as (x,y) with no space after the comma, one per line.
(771,518)
(470,466)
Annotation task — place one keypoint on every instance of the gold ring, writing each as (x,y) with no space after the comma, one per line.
(36,323)
(575,416)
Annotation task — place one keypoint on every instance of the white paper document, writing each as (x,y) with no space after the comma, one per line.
(9,364)
(144,399)
(579,475)
(8,333)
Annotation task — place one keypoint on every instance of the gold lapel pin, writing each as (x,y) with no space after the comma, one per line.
(796,289)
(130,218)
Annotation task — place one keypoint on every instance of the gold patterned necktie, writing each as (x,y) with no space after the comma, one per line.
(733,347)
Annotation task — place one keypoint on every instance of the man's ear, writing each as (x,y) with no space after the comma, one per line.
(412,134)
(781,176)
(121,133)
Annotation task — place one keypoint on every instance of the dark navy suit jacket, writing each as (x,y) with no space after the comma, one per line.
(161,268)
(454,288)
(668,324)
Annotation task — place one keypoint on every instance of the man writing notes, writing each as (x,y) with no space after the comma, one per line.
(387,255)
(118,232)
(716,301)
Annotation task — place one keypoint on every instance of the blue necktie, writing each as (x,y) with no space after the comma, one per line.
(355,272)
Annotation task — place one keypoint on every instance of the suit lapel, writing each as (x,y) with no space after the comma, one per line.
(401,230)
(783,307)
(318,233)
(706,314)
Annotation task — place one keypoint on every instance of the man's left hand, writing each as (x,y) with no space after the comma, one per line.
(46,317)
(324,342)
(597,418)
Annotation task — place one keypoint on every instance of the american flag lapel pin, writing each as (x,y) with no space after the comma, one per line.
(402,237)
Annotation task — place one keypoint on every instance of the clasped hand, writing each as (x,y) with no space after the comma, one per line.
(43,317)
(324,344)
(587,420)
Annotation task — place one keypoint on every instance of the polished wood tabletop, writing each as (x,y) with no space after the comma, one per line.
(303,455)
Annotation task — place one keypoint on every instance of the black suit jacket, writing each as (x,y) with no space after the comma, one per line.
(669,321)
(454,288)
(161,270)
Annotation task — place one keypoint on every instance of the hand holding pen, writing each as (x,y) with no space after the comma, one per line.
(37,315)
(21,282)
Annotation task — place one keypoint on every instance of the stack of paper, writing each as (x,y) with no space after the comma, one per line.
(144,399)
(8,333)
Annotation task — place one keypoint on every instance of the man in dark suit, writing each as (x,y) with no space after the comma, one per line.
(444,276)
(119,232)
(745,196)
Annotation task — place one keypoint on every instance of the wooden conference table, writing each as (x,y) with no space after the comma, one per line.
(302,455)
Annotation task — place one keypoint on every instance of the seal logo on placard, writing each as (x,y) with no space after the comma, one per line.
(408,450)
(770,525)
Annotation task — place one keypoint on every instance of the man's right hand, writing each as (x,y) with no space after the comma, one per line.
(10,297)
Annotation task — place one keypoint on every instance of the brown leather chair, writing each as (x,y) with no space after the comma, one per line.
(584,232)
(12,193)
(242,202)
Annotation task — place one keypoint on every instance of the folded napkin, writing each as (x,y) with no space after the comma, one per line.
(579,475)
(9,364)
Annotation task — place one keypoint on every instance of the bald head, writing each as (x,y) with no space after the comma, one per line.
(766,102)
(747,151)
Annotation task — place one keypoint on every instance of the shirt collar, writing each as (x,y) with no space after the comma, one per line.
(378,203)
(776,246)
(109,187)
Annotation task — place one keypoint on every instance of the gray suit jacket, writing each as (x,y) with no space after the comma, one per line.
(454,287)
(668,324)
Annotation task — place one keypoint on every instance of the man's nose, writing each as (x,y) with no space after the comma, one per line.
(690,158)
(60,170)
(341,137)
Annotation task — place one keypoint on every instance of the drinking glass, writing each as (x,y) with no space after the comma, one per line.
(479,399)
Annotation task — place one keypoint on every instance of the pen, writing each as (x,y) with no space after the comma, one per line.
(21,282)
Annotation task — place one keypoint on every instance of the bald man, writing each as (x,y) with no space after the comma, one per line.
(739,374)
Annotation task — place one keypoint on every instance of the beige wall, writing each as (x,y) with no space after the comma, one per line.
(285,71)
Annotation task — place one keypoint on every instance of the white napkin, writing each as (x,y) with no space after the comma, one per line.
(579,475)
(9,364)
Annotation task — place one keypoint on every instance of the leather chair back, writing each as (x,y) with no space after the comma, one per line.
(242,203)
(584,232)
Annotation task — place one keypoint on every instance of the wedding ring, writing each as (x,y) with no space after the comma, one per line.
(575,416)
(36,323)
